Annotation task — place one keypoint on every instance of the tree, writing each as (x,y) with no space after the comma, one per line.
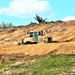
(4,25)
(0,26)
(10,25)
(40,19)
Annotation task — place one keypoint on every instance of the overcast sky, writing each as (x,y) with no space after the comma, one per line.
(21,12)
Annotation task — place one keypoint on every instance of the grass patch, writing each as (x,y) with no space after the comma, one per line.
(5,65)
(61,64)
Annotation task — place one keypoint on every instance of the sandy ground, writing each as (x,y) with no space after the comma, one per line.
(64,31)
(40,48)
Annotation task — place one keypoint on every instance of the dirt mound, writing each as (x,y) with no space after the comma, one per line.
(63,32)
(33,51)
(60,31)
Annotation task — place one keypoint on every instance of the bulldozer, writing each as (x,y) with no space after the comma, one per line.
(34,37)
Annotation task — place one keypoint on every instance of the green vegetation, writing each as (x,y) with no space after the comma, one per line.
(58,21)
(5,65)
(6,25)
(47,65)
(40,19)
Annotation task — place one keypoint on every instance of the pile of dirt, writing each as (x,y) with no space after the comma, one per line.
(63,32)
(60,31)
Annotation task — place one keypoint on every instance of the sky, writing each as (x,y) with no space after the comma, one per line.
(22,12)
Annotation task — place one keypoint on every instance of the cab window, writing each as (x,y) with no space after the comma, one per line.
(31,34)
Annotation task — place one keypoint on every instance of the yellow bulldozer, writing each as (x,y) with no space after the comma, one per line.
(33,37)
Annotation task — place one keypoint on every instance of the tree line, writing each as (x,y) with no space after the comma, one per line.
(37,18)
(40,19)
(6,25)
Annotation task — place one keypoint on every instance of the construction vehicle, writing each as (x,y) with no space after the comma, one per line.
(33,37)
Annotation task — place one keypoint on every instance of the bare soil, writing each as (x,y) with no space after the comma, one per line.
(63,32)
